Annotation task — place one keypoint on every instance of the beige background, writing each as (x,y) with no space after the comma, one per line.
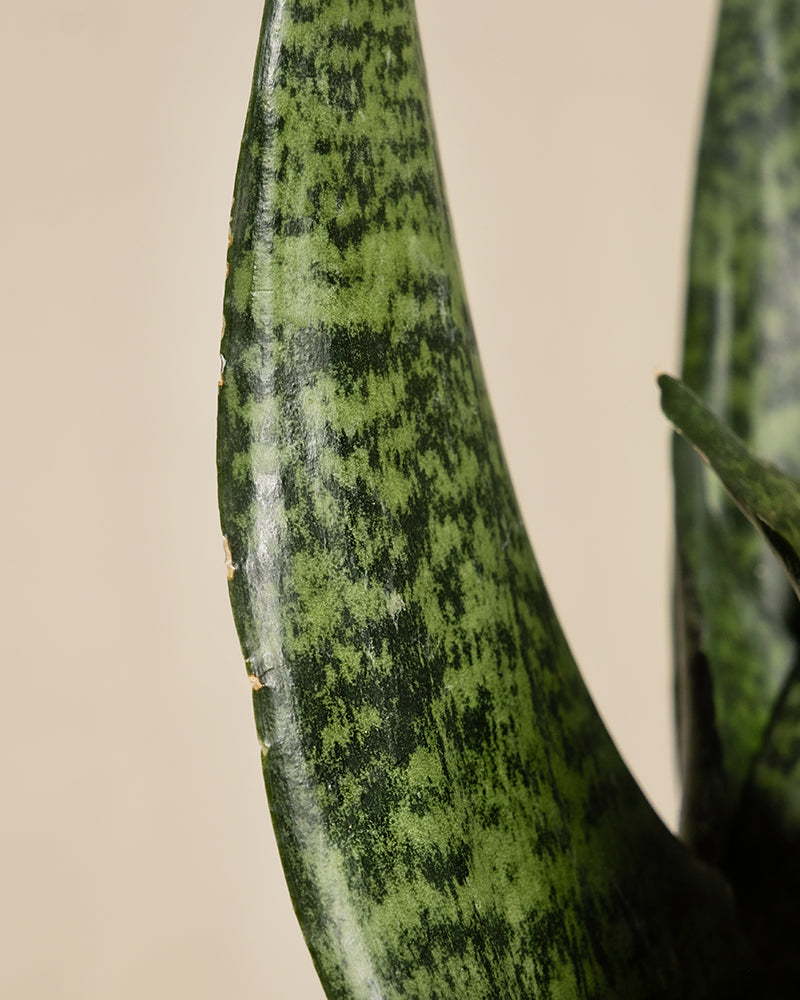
(136,857)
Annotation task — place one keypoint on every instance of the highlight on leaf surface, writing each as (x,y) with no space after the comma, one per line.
(453,818)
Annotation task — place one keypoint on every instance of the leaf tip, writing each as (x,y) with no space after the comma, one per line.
(670,388)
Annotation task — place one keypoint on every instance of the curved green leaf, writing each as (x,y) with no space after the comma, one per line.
(453,818)
(736,618)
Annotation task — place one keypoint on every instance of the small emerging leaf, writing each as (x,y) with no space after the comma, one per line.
(767,496)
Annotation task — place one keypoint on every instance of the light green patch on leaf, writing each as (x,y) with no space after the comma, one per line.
(243,281)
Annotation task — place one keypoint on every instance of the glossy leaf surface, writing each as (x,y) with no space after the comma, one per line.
(453,818)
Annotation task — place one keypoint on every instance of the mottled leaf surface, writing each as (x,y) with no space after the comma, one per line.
(453,819)
(736,617)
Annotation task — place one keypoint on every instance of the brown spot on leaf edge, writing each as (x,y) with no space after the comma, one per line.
(230,568)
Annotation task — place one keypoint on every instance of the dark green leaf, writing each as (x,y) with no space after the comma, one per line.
(453,818)
(736,618)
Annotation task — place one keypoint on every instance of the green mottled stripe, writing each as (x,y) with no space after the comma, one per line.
(737,620)
(453,819)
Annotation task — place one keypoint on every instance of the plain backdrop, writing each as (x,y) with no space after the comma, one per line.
(136,854)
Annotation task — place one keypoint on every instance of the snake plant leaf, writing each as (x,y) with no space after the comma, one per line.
(766,496)
(736,618)
(453,819)
(762,858)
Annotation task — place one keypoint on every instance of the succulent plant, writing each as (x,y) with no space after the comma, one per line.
(453,818)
